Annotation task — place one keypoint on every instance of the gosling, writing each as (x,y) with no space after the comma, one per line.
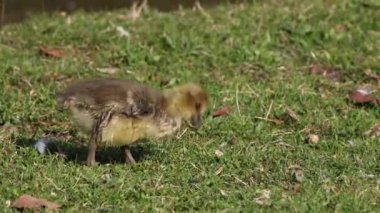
(115,112)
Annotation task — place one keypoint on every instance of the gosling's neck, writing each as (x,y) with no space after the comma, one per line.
(167,119)
(170,104)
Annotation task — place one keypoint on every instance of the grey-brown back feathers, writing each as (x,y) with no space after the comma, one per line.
(128,97)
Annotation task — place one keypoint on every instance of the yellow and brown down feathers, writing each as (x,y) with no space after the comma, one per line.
(136,111)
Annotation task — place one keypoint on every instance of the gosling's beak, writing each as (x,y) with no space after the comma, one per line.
(195,121)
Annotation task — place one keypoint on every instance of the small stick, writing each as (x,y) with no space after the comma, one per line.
(266,119)
(240,181)
(158,182)
(252,91)
(269,110)
(237,100)
(182,133)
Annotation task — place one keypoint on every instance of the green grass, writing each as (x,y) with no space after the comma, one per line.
(247,56)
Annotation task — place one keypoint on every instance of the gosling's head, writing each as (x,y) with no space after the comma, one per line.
(188,101)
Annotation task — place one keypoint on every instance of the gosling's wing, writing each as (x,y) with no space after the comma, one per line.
(141,102)
(121,96)
(98,92)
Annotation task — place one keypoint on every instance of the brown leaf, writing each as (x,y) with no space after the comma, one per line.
(51,52)
(340,28)
(221,111)
(362,96)
(277,121)
(27,201)
(289,115)
(233,141)
(328,72)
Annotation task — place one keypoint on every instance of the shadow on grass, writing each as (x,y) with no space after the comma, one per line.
(78,153)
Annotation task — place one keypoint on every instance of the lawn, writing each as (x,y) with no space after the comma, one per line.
(285,68)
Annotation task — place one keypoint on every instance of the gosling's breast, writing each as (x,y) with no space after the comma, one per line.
(123,130)
(167,125)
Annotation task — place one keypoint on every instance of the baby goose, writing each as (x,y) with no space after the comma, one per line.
(115,112)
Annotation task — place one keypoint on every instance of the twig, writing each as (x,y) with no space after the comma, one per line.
(252,91)
(240,181)
(280,142)
(182,133)
(158,182)
(282,133)
(52,182)
(276,121)
(237,100)
(269,110)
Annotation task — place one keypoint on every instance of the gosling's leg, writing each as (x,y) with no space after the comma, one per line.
(92,146)
(96,136)
(91,154)
(128,155)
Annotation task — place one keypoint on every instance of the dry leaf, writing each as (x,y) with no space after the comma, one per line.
(27,201)
(298,175)
(362,96)
(328,186)
(328,72)
(122,32)
(221,111)
(223,193)
(374,131)
(296,172)
(51,52)
(371,75)
(108,70)
(218,153)
(8,203)
(312,139)
(265,198)
(340,28)
(292,114)
(106,177)
(295,188)
(219,170)
(234,141)
(289,115)
(277,121)
(62,13)
(32,93)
